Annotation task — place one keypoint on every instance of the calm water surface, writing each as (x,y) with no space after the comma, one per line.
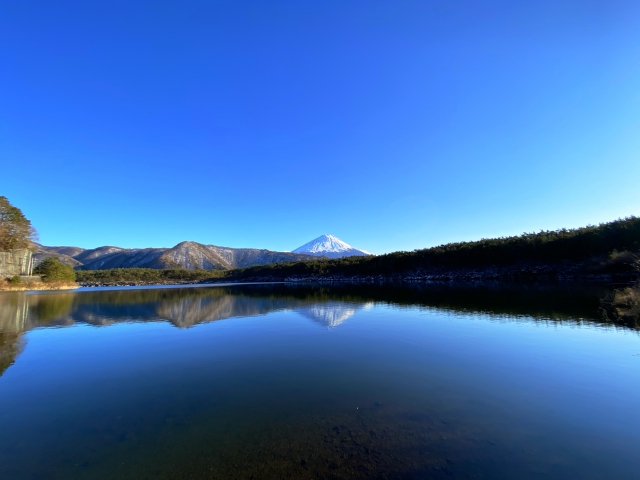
(299,382)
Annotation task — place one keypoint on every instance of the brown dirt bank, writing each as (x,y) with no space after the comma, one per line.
(25,287)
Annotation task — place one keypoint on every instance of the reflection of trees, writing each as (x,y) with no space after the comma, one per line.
(328,305)
(48,308)
(11,345)
(14,309)
(560,302)
(20,312)
(623,306)
(13,316)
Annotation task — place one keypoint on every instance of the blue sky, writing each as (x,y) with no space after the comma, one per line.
(392,125)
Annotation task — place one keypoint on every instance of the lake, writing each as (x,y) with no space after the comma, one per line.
(442,380)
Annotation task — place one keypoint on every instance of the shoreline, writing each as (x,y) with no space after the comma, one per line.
(526,272)
(383,279)
(39,287)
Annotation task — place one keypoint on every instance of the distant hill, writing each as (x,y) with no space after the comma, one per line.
(43,252)
(187,255)
(329,246)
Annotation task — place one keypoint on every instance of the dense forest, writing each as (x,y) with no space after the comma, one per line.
(144,275)
(608,248)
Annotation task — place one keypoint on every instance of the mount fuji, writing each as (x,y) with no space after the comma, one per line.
(329,246)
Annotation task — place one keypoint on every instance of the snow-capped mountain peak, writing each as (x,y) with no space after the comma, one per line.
(329,246)
(325,243)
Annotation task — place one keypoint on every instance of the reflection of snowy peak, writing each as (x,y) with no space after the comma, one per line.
(329,246)
(330,314)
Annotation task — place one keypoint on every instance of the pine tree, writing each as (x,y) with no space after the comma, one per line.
(53,270)
(15,230)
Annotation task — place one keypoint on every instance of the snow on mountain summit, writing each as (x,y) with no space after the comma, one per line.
(325,243)
(329,246)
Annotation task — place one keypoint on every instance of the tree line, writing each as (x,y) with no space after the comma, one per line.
(611,245)
(144,275)
(617,241)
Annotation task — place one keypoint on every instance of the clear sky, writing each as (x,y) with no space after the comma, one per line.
(392,125)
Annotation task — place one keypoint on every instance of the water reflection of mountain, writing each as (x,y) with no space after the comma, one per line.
(181,307)
(327,305)
(184,310)
(331,314)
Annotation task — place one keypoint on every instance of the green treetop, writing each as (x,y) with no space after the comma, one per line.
(53,270)
(15,230)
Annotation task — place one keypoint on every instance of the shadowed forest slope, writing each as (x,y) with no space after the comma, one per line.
(608,248)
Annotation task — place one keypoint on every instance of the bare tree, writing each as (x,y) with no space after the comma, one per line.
(15,230)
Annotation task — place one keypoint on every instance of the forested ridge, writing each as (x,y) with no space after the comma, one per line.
(606,248)
(145,275)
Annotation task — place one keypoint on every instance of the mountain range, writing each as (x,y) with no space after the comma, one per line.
(192,255)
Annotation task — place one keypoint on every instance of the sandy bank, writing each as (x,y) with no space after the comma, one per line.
(37,286)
